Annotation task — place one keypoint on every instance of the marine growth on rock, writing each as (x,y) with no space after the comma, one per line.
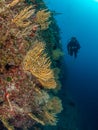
(26,72)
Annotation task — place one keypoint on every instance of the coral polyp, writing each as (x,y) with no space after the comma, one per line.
(26,73)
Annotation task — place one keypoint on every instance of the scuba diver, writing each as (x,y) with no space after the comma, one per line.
(73,46)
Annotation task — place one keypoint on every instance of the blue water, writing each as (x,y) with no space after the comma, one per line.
(80,19)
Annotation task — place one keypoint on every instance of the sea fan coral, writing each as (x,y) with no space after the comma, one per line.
(22,16)
(51,108)
(37,62)
(57,54)
(42,18)
(54,105)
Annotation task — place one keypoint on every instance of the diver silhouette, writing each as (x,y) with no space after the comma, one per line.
(73,46)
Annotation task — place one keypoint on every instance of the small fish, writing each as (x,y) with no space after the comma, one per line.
(55,13)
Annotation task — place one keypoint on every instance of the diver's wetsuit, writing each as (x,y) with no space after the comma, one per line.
(73,47)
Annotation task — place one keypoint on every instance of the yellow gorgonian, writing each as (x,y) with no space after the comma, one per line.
(23,16)
(37,62)
(42,18)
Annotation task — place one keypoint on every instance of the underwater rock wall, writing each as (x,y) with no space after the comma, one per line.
(29,57)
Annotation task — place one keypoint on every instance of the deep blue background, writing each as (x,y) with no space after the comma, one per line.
(79,18)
